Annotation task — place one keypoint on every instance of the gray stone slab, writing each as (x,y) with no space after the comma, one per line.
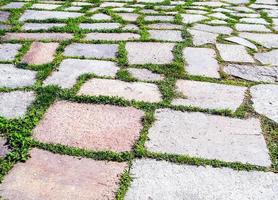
(111,4)
(4,148)
(219,16)
(202,37)
(123,9)
(73,8)
(192,18)
(253,73)
(41,26)
(92,50)
(8,51)
(130,17)
(217,22)
(264,98)
(12,77)
(138,91)
(144,74)
(13,5)
(99,26)
(112,36)
(131,27)
(4,27)
(242,42)
(213,29)
(166,26)
(45,15)
(162,18)
(4,16)
(161,180)
(45,6)
(267,40)
(252,28)
(201,62)
(234,53)
(209,95)
(149,52)
(71,69)
(166,35)
(15,104)
(208,136)
(38,36)
(101,16)
(268,58)
(254,21)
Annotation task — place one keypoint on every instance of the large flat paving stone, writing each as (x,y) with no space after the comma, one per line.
(40,53)
(93,127)
(241,41)
(128,90)
(161,180)
(268,58)
(112,36)
(264,98)
(144,74)
(4,148)
(13,5)
(192,18)
(41,26)
(202,37)
(4,16)
(45,15)
(201,62)
(8,51)
(166,35)
(209,95)
(15,104)
(208,136)
(213,29)
(100,26)
(92,50)
(149,52)
(234,53)
(48,176)
(38,36)
(12,77)
(158,18)
(70,69)
(267,40)
(253,73)
(45,6)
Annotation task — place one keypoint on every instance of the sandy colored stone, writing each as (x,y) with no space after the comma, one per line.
(38,36)
(268,58)
(40,53)
(162,180)
(208,136)
(8,51)
(201,62)
(45,15)
(209,95)
(89,126)
(253,73)
(48,176)
(14,104)
(70,69)
(144,74)
(234,53)
(166,35)
(92,50)
(149,52)
(13,77)
(138,91)
(264,98)
(112,36)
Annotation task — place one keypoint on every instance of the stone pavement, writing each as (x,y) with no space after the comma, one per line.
(138,99)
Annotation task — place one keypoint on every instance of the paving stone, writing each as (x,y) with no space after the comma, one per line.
(161,180)
(130,27)
(150,1)
(123,9)
(45,6)
(217,22)
(201,37)
(208,136)
(40,53)
(4,16)
(246,15)
(130,17)
(200,12)
(201,62)
(13,5)
(81,4)
(163,18)
(263,6)
(45,15)
(234,53)
(40,26)
(12,77)
(4,27)
(112,36)
(149,11)
(213,4)
(47,176)
(189,18)
(253,73)
(73,8)
(138,91)
(237,1)
(252,27)
(167,26)
(92,50)
(219,16)
(254,21)
(149,52)
(8,51)
(111,4)
(15,104)
(267,40)
(213,29)
(70,69)
(101,16)
(4,148)
(268,58)
(144,74)
(38,36)
(264,98)
(267,1)
(100,26)
(166,35)
(242,9)
(209,95)
(242,42)
(93,127)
